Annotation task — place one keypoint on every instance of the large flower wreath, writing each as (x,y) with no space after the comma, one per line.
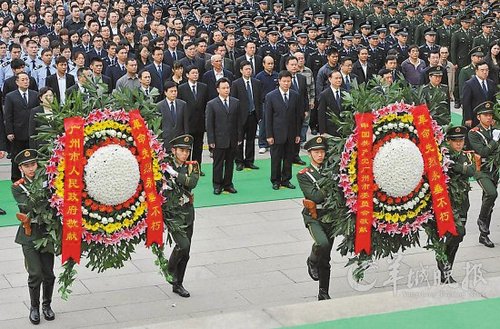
(398,195)
(121,171)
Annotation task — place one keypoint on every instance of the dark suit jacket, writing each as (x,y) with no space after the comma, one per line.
(51,82)
(10,85)
(283,122)
(167,57)
(327,104)
(17,113)
(3,135)
(473,95)
(196,107)
(156,80)
(257,63)
(75,89)
(224,128)
(352,78)
(93,54)
(114,72)
(358,71)
(239,90)
(209,80)
(33,125)
(170,128)
(303,95)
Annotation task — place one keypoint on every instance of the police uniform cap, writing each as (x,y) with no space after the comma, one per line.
(484,108)
(403,31)
(263,2)
(394,23)
(447,15)
(25,156)
(410,7)
(366,25)
(263,28)
(381,28)
(313,27)
(373,35)
(297,25)
(272,31)
(488,22)
(347,36)
(184,6)
(435,71)
(301,33)
(322,29)
(335,14)
(277,4)
(206,13)
(183,141)
(466,18)
(348,20)
(308,11)
(292,41)
(458,132)
(430,31)
(321,38)
(230,26)
(378,4)
(286,27)
(315,143)
(356,34)
(319,15)
(477,51)
(338,28)
(392,5)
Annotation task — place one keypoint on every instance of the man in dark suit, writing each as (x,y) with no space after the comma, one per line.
(172,54)
(477,90)
(283,122)
(96,65)
(330,100)
(248,91)
(227,63)
(362,68)
(116,71)
(211,77)
(160,72)
(299,85)
(195,94)
(18,105)
(346,71)
(10,84)
(60,79)
(97,51)
(224,134)
(255,60)
(174,115)
(83,75)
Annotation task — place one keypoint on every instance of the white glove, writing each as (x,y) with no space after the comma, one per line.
(171,171)
(496,135)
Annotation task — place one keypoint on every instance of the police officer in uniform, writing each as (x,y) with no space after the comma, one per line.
(318,263)
(185,174)
(483,140)
(38,262)
(462,169)
(435,91)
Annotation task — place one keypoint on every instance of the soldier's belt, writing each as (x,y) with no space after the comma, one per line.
(319,206)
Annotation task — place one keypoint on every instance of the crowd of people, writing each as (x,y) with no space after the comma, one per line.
(233,71)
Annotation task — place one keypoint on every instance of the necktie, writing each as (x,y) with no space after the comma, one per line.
(250,97)
(295,84)
(253,67)
(285,97)
(172,111)
(25,97)
(485,89)
(147,91)
(33,64)
(159,71)
(122,67)
(338,98)
(47,71)
(174,55)
(226,105)
(347,83)
(194,91)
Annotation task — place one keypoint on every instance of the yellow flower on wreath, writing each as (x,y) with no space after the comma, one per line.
(111,228)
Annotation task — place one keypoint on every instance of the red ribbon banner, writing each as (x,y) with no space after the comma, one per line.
(154,218)
(429,149)
(364,215)
(73,184)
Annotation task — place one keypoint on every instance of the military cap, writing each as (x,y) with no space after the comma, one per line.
(263,2)
(381,28)
(477,51)
(403,31)
(173,8)
(458,132)
(378,4)
(488,22)
(430,31)
(230,26)
(319,15)
(338,28)
(308,11)
(447,15)
(272,31)
(335,14)
(348,20)
(392,5)
(484,108)
(292,41)
(183,141)
(366,25)
(301,33)
(286,27)
(322,38)
(347,36)
(262,28)
(466,18)
(25,156)
(435,71)
(373,35)
(206,13)
(290,8)
(184,6)
(410,7)
(356,34)
(427,11)
(394,23)
(313,27)
(315,143)
(278,4)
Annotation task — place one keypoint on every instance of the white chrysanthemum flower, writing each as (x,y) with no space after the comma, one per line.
(112,175)
(398,167)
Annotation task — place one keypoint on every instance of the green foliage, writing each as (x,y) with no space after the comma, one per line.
(365,98)
(99,257)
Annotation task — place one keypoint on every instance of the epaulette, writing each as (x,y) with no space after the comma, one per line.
(19,182)
(7,63)
(475,129)
(304,170)
(191,162)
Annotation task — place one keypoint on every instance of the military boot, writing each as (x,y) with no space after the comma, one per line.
(34,305)
(48,314)
(177,286)
(324,284)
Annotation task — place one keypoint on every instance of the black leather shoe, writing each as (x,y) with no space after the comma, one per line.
(179,290)
(299,161)
(217,191)
(289,185)
(239,167)
(202,173)
(313,270)
(252,166)
(35,315)
(323,294)
(230,190)
(483,239)
(48,314)
(2,212)
(276,186)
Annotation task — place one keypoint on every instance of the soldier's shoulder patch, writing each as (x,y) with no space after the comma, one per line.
(19,182)
(192,162)
(304,170)
(475,129)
